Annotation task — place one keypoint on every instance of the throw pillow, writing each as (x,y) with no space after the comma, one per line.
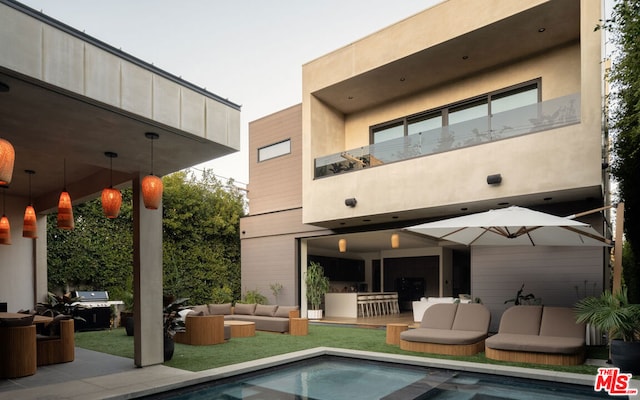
(244,309)
(266,311)
(283,311)
(220,309)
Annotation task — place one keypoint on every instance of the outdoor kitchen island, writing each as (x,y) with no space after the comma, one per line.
(352,304)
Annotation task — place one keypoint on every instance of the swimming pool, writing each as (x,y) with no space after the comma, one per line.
(334,378)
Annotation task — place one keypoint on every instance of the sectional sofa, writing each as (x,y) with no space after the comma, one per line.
(271,318)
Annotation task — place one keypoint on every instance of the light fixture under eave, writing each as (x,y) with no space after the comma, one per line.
(152,185)
(5,227)
(111,198)
(342,245)
(30,225)
(65,209)
(7,158)
(395,241)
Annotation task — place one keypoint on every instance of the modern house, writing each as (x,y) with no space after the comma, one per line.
(464,107)
(67,99)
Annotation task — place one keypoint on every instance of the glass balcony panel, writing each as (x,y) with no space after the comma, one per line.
(551,114)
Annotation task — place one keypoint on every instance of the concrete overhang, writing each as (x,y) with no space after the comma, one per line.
(71,98)
(537,28)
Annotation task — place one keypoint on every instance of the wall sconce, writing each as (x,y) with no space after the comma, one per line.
(350,202)
(5,227)
(111,198)
(30,226)
(494,179)
(65,210)
(342,245)
(7,158)
(395,241)
(151,184)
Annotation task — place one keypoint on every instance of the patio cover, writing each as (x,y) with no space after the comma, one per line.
(512,226)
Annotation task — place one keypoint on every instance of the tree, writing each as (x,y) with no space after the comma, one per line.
(624,26)
(97,254)
(201,236)
(201,242)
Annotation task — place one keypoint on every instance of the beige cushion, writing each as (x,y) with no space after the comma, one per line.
(439,316)
(219,309)
(561,322)
(442,336)
(265,311)
(283,311)
(472,317)
(535,344)
(244,309)
(522,320)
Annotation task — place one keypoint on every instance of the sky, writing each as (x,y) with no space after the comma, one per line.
(250,52)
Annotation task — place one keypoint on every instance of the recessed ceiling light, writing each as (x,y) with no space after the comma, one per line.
(402,79)
(503,203)
(395,217)
(350,97)
(540,30)
(465,57)
(464,209)
(547,198)
(366,220)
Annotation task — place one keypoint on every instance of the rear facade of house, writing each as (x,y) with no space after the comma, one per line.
(464,107)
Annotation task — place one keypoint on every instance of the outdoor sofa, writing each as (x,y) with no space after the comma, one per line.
(449,328)
(419,307)
(540,335)
(271,318)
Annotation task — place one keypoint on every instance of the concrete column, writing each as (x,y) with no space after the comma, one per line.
(147,281)
(40,286)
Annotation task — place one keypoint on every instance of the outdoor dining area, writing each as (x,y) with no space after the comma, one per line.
(28,341)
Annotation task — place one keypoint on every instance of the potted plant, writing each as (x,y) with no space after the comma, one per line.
(317,286)
(172,323)
(612,313)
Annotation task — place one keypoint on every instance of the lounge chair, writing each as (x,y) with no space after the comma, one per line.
(452,329)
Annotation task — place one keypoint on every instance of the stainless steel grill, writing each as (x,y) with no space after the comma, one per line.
(95,310)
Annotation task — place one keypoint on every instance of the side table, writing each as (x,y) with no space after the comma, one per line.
(393,332)
(298,326)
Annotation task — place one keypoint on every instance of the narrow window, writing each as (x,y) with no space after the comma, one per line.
(274,150)
(388,132)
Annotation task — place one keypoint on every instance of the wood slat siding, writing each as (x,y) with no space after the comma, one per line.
(552,273)
(276,184)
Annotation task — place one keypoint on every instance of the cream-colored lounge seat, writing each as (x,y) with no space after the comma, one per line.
(539,335)
(449,328)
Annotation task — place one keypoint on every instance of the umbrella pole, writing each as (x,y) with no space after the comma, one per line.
(617,260)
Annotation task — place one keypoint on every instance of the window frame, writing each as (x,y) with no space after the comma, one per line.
(273,145)
(446,109)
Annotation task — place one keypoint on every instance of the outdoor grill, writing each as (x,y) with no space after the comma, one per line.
(95,310)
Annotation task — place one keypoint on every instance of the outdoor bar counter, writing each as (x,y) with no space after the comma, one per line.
(345,305)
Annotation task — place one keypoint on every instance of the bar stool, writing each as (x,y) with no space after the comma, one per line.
(362,305)
(371,307)
(394,303)
(379,304)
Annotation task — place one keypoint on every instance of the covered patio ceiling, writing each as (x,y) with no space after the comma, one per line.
(49,127)
(374,242)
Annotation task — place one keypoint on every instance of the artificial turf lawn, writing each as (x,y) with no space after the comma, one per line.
(265,344)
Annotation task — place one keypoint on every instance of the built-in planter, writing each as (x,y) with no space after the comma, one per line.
(626,356)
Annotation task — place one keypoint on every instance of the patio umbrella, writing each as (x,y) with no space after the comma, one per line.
(512,226)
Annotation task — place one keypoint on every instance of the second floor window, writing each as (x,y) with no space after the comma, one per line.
(274,150)
(473,109)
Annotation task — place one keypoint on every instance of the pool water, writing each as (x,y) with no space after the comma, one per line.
(335,378)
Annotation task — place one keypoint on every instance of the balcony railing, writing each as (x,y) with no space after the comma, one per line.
(550,114)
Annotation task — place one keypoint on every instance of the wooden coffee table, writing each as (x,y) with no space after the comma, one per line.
(241,328)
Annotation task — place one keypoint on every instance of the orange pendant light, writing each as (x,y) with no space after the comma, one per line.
(395,241)
(7,158)
(111,198)
(30,226)
(152,185)
(5,227)
(342,245)
(65,212)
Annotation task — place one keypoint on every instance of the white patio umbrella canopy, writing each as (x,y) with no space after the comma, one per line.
(512,226)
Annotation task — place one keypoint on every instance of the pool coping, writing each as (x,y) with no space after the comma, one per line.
(204,376)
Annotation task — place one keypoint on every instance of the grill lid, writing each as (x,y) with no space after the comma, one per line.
(91,296)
